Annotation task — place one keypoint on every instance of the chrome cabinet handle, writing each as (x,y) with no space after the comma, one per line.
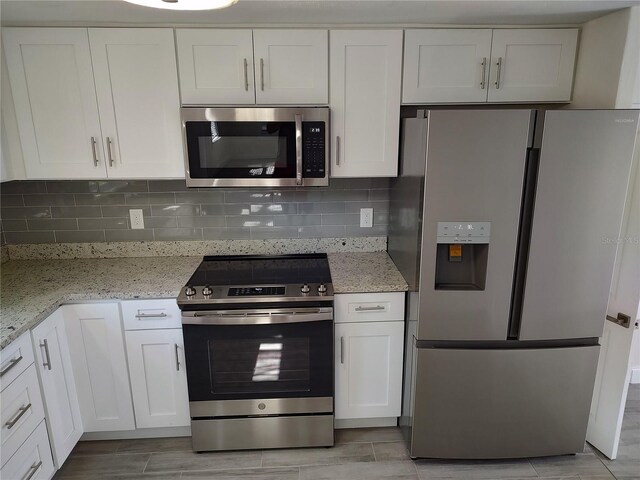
(298,149)
(32,470)
(246,76)
(342,350)
(262,74)
(47,363)
(177,358)
(369,309)
(337,150)
(111,161)
(12,363)
(151,315)
(622,320)
(484,73)
(499,64)
(93,150)
(18,416)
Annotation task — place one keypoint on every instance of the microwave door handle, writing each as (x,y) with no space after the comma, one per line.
(298,149)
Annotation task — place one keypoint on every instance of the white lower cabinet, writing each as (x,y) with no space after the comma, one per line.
(33,461)
(158,378)
(58,385)
(96,346)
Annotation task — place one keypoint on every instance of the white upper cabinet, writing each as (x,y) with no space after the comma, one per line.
(55,102)
(137,88)
(365,82)
(532,65)
(292,66)
(216,66)
(446,65)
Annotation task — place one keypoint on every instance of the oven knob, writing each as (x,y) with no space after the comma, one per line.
(305,288)
(207,290)
(190,291)
(322,289)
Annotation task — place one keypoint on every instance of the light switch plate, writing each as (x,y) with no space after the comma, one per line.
(137,218)
(366,217)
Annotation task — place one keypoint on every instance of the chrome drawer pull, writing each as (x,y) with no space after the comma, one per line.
(370,309)
(32,470)
(484,72)
(47,363)
(151,315)
(18,416)
(177,358)
(12,363)
(342,350)
(499,64)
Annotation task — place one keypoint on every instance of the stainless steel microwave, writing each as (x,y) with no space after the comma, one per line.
(256,147)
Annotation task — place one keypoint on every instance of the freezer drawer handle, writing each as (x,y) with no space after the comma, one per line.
(18,416)
(12,363)
(622,320)
(32,470)
(377,308)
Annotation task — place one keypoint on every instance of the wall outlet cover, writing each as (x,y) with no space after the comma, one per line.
(366,217)
(137,218)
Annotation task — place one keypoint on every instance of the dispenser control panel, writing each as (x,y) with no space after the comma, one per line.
(464,232)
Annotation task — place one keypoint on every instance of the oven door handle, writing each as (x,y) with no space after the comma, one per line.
(257,317)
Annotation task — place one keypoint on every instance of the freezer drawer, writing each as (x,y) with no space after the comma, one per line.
(509,403)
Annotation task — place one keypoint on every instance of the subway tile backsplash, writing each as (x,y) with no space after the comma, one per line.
(98,211)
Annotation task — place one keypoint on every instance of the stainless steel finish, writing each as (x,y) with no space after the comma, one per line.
(377,308)
(257,316)
(298,149)
(255,114)
(32,470)
(484,73)
(502,403)
(305,288)
(10,364)
(262,432)
(151,315)
(189,291)
(337,150)
(46,363)
(206,290)
(262,74)
(246,76)
(622,320)
(322,288)
(271,406)
(177,357)
(219,295)
(342,350)
(583,178)
(93,151)
(499,72)
(109,153)
(21,411)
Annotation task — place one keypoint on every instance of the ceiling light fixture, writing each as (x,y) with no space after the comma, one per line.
(185,4)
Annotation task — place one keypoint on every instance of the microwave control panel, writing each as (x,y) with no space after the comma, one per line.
(313,150)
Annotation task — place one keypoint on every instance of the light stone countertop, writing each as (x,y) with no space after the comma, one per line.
(32,289)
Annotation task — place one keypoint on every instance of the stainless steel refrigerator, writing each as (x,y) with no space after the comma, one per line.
(505,224)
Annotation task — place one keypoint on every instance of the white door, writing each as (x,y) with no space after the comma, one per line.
(58,385)
(614,366)
(365,80)
(292,66)
(532,65)
(368,369)
(55,102)
(216,66)
(137,87)
(446,65)
(96,345)
(158,378)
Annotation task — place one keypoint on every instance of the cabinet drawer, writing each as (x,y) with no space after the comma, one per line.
(151,314)
(15,358)
(369,307)
(22,411)
(33,460)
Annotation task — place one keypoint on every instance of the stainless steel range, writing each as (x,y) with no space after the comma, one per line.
(258,335)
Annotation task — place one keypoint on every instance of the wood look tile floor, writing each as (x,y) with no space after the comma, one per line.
(359,454)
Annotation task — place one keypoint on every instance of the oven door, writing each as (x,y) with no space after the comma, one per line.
(228,147)
(245,362)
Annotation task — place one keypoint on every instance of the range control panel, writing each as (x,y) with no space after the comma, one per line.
(252,291)
(313,150)
(464,232)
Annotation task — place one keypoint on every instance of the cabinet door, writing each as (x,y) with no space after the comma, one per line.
(216,66)
(368,369)
(292,66)
(532,65)
(158,378)
(137,87)
(446,65)
(58,385)
(96,345)
(33,461)
(365,77)
(55,102)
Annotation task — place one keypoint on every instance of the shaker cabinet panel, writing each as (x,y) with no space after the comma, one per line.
(292,66)
(365,82)
(216,66)
(137,88)
(33,461)
(55,102)
(446,65)
(96,345)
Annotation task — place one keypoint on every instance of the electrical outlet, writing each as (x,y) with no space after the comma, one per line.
(366,217)
(137,219)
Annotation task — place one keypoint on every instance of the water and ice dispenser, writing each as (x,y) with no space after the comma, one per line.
(462,253)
